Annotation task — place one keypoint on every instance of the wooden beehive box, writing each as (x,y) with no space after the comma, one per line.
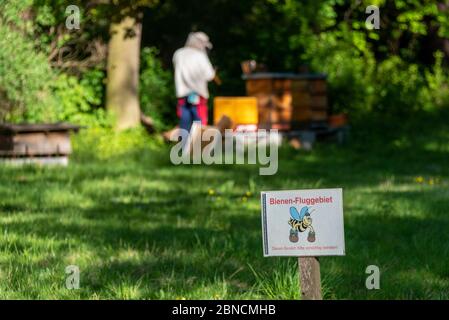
(289,101)
(36,143)
(241,110)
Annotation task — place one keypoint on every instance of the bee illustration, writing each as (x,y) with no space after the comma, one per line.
(300,222)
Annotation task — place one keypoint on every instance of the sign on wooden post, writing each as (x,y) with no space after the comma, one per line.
(305,224)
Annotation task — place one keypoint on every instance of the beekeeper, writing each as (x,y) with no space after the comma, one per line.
(193,71)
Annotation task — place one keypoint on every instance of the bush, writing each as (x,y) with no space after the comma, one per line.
(343,55)
(30,90)
(157,93)
(24,79)
(398,87)
(437,81)
(79,101)
(359,84)
(107,143)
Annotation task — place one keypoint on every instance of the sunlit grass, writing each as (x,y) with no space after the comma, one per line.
(140,228)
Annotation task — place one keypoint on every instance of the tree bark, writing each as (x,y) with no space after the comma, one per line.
(122,89)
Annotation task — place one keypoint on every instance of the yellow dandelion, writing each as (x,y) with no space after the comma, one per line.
(431,182)
(211,192)
(419,179)
(248,193)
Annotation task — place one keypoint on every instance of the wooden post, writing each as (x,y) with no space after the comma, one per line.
(310,278)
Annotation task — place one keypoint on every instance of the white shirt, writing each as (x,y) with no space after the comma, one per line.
(193,70)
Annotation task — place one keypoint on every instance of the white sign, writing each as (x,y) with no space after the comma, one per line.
(303,223)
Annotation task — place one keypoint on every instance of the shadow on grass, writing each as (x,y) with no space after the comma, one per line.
(158,226)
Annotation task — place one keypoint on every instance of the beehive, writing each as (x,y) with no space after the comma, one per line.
(241,110)
(36,143)
(288,101)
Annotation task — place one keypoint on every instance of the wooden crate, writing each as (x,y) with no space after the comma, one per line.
(241,110)
(287,100)
(35,141)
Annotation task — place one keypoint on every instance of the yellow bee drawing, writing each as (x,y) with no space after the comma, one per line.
(300,222)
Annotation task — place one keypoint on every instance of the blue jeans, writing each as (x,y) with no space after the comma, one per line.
(189,113)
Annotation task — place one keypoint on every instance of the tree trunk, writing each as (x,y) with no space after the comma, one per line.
(122,90)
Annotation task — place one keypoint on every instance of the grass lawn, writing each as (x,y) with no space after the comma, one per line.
(141,228)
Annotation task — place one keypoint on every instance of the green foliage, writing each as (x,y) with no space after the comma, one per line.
(344,57)
(398,87)
(79,101)
(105,143)
(24,78)
(395,70)
(281,282)
(328,35)
(360,79)
(32,91)
(437,89)
(11,10)
(156,90)
(360,84)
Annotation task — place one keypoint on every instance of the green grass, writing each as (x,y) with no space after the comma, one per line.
(141,228)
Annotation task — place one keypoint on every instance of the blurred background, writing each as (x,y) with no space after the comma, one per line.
(139,227)
(397,70)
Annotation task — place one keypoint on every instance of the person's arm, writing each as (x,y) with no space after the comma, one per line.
(207,68)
